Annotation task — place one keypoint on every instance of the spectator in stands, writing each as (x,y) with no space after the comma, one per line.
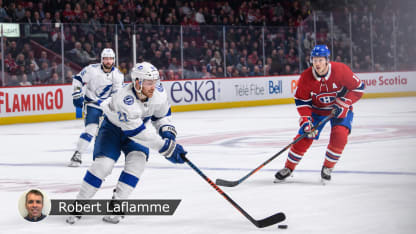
(231,57)
(14,81)
(244,71)
(57,18)
(24,81)
(54,68)
(47,20)
(19,12)
(54,79)
(199,16)
(229,71)
(37,23)
(12,48)
(32,74)
(219,73)
(41,11)
(27,19)
(174,65)
(10,64)
(171,75)
(44,73)
(43,57)
(11,11)
(90,55)
(256,71)
(4,17)
(68,75)
(78,54)
(32,60)
(20,60)
(217,58)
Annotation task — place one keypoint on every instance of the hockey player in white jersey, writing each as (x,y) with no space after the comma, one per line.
(124,129)
(91,87)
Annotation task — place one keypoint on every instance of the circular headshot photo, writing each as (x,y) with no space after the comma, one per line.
(34,205)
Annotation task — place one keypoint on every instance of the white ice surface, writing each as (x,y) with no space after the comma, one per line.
(373,189)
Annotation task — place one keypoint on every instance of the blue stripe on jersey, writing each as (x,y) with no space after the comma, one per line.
(299,102)
(86,136)
(92,180)
(131,133)
(360,88)
(88,99)
(342,92)
(78,78)
(145,119)
(154,118)
(128,179)
(105,90)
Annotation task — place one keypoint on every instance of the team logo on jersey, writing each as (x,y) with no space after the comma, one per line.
(129,100)
(140,67)
(159,87)
(326,98)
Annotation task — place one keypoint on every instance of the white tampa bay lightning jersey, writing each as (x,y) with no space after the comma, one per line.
(126,111)
(98,84)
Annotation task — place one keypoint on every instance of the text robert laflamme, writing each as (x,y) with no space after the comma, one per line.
(111,207)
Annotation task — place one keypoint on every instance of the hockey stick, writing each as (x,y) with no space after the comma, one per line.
(228,183)
(276,218)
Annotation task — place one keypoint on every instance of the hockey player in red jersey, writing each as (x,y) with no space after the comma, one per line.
(323,88)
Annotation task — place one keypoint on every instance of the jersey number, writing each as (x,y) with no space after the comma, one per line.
(122,117)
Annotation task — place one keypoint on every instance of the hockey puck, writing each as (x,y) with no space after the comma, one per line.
(282,226)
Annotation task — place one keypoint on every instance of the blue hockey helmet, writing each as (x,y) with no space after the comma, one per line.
(320,51)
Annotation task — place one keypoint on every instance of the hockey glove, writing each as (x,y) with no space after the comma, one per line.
(306,125)
(341,107)
(78,102)
(167,132)
(172,151)
(77,98)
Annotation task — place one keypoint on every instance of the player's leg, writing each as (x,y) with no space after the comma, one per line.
(136,158)
(297,151)
(340,130)
(107,150)
(92,118)
(294,156)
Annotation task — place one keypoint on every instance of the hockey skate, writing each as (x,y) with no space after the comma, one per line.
(326,173)
(75,160)
(73,219)
(282,174)
(113,218)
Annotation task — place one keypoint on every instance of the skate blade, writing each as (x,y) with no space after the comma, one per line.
(324,181)
(74,164)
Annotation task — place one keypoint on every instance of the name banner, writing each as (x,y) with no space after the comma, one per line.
(114,207)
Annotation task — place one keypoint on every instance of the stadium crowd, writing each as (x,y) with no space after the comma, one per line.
(90,26)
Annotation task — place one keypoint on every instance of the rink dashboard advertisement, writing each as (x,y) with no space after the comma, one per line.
(52,103)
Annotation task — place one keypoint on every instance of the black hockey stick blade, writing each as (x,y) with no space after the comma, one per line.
(276,218)
(226,183)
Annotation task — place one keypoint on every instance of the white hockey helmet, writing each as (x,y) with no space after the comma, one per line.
(144,71)
(107,53)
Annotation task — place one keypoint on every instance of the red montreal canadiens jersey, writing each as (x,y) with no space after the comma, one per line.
(316,94)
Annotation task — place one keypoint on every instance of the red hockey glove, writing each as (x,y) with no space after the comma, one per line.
(306,125)
(341,107)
